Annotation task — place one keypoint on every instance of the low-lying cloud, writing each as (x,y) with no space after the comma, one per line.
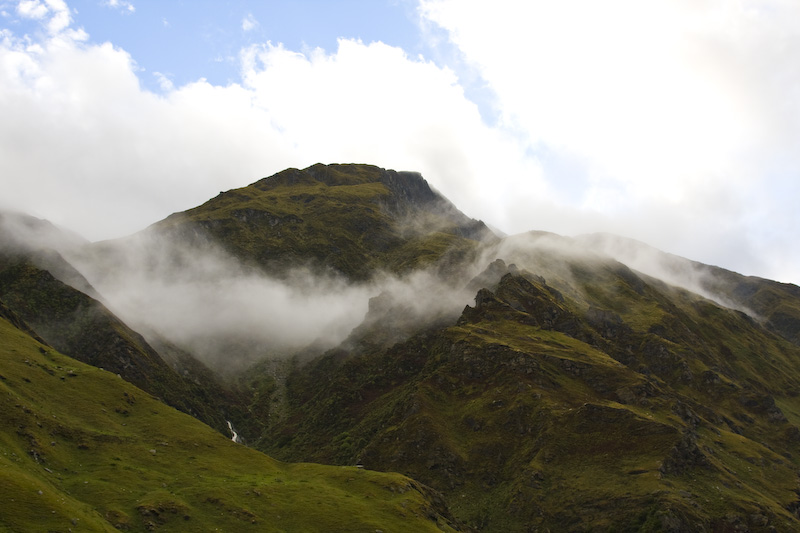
(188,290)
(230,315)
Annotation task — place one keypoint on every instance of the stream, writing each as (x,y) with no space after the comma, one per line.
(234,435)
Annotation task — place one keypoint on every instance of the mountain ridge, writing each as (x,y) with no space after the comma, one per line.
(536,381)
(762,298)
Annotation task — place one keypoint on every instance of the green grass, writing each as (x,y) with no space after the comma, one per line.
(82,448)
(339,217)
(521,424)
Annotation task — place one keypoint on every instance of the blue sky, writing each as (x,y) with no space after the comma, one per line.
(185,41)
(675,123)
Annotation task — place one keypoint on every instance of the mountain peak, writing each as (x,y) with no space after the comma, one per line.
(352,218)
(403,187)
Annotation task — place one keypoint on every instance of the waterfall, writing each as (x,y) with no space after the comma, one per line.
(234,435)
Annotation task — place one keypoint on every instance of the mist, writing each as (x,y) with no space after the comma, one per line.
(671,269)
(186,289)
(555,258)
(20,231)
(230,315)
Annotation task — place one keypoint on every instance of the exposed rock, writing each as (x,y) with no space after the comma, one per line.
(684,456)
(608,323)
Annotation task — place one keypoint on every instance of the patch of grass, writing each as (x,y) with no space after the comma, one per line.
(92,451)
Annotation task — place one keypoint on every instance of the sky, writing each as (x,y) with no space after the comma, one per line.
(676,122)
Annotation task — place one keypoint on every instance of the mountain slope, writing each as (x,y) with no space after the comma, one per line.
(584,390)
(77,324)
(83,449)
(606,399)
(353,219)
(773,303)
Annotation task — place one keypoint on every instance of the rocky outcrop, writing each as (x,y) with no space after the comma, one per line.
(685,455)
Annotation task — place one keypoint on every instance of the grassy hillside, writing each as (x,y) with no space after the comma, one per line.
(576,394)
(353,219)
(776,305)
(83,450)
(82,327)
(618,404)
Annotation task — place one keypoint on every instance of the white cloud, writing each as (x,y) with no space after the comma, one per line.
(84,145)
(53,15)
(677,112)
(55,11)
(203,299)
(32,9)
(164,82)
(105,157)
(625,84)
(673,127)
(249,23)
(122,5)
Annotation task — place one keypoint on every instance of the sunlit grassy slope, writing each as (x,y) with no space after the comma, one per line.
(83,450)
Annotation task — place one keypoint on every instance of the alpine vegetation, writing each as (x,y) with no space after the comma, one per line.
(350,315)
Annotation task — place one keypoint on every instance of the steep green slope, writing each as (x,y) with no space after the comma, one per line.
(354,219)
(42,244)
(776,305)
(83,450)
(614,402)
(77,324)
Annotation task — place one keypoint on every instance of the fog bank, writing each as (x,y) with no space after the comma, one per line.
(230,315)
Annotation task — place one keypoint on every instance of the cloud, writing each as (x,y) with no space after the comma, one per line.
(622,83)
(229,315)
(55,11)
(33,9)
(203,300)
(85,145)
(249,23)
(672,124)
(122,5)
(104,156)
(164,82)
(688,108)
